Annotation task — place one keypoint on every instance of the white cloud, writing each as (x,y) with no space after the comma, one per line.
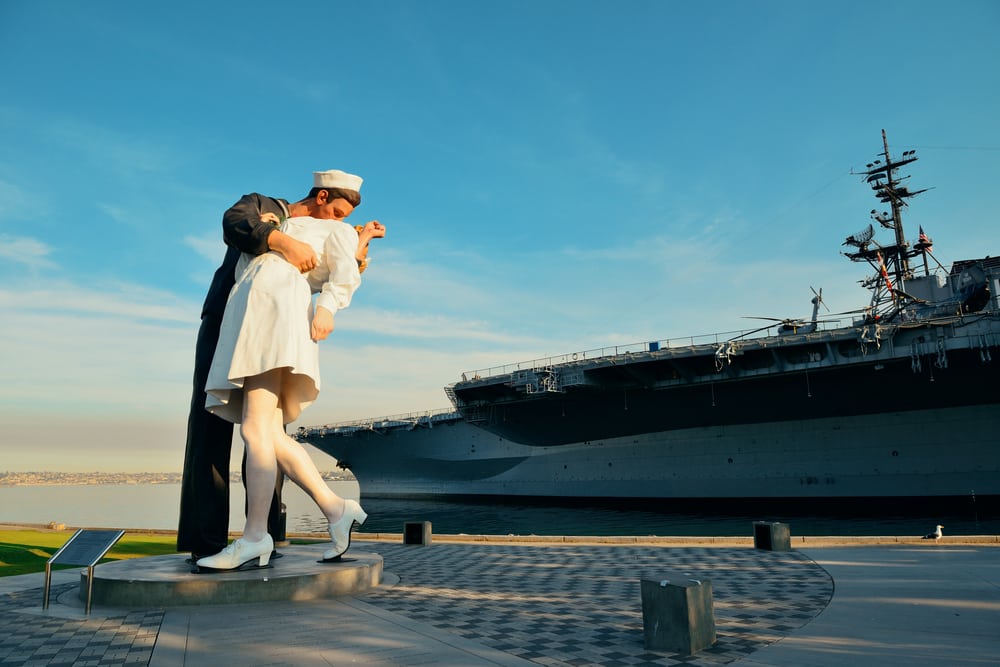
(207,246)
(25,250)
(137,303)
(414,325)
(94,363)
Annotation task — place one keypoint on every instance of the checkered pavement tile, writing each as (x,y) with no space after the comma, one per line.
(552,605)
(126,639)
(581,605)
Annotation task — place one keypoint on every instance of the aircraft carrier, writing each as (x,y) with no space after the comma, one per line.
(899,398)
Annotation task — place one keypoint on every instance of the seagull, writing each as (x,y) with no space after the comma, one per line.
(936,535)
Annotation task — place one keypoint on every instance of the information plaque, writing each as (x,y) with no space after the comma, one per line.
(86,547)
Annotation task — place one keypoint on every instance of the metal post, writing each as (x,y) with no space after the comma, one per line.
(48,585)
(90,586)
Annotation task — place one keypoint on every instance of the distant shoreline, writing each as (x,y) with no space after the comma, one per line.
(88,478)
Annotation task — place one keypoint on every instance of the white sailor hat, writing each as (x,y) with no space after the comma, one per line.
(336,178)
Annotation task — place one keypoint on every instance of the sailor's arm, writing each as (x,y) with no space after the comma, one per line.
(247,229)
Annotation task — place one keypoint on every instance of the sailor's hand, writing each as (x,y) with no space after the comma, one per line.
(322,324)
(300,255)
(270,217)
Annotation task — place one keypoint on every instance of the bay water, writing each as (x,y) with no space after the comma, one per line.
(155,507)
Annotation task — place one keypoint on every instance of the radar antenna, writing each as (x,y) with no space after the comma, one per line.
(861,239)
(891,263)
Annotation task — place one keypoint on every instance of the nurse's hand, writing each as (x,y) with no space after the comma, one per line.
(322,324)
(371,230)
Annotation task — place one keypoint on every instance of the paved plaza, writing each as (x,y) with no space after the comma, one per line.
(551,604)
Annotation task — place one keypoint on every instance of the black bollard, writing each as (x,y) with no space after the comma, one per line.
(417,532)
(772,536)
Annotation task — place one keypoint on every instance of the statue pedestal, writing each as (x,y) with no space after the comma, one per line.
(168,581)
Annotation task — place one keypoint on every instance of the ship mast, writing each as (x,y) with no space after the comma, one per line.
(888,260)
(891,191)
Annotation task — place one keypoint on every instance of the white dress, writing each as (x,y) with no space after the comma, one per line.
(269,313)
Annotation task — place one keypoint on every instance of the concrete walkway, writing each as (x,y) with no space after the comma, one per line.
(472,604)
(936,605)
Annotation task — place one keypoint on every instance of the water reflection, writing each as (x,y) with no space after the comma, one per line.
(504,516)
(155,506)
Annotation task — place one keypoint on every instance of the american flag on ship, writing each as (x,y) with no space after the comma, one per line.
(923,239)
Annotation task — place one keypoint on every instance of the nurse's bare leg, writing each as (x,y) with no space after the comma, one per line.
(342,514)
(295,462)
(260,404)
(260,409)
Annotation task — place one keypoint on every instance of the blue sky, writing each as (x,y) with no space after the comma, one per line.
(555,176)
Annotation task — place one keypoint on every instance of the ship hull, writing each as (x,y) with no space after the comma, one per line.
(943,452)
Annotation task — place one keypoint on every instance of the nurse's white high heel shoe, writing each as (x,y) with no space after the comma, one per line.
(340,530)
(240,554)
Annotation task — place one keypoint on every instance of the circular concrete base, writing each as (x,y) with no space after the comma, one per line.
(168,581)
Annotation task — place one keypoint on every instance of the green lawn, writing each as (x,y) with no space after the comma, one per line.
(26,551)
